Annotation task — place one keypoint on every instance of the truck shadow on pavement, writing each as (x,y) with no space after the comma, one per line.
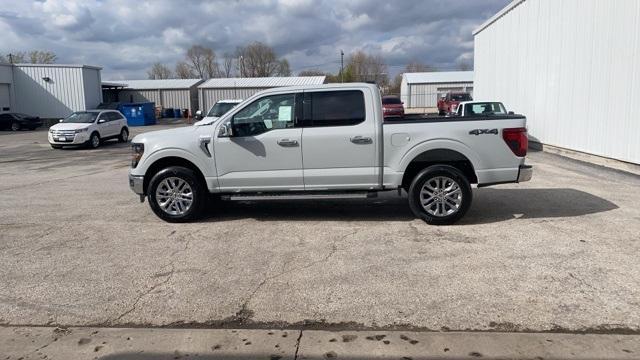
(489,206)
(495,204)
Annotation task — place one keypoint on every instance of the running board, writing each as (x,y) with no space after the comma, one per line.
(300,196)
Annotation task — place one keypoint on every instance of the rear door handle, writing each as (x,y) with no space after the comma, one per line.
(288,143)
(361,140)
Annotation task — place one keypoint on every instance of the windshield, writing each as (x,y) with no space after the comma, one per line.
(391,100)
(81,117)
(220,109)
(460,97)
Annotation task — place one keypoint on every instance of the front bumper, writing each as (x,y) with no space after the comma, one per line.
(525,173)
(136,183)
(77,139)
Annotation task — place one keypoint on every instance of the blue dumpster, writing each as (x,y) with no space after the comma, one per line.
(138,114)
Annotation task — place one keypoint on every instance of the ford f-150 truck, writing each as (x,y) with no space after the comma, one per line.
(327,141)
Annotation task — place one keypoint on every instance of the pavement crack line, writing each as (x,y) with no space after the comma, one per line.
(295,355)
(332,251)
(133,307)
(167,276)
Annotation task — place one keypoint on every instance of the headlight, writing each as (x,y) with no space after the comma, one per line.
(81,130)
(136,154)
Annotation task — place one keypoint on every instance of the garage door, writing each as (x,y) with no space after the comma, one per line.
(5,99)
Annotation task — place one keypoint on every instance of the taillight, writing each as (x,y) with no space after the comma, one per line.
(516,139)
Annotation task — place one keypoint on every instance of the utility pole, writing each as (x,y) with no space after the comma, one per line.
(10,58)
(341,66)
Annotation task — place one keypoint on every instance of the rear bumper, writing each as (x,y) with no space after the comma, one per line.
(525,173)
(136,183)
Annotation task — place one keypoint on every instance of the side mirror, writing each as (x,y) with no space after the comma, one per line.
(102,121)
(199,114)
(511,113)
(225,130)
(61,120)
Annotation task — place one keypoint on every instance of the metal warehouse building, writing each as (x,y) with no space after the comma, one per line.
(214,90)
(169,93)
(572,67)
(49,91)
(421,90)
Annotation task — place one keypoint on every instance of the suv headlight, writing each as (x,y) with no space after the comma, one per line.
(81,130)
(136,153)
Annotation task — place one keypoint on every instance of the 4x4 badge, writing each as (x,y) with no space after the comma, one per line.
(483,131)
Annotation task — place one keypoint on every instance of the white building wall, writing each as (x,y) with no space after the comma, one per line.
(7,97)
(57,98)
(208,97)
(572,67)
(426,95)
(92,83)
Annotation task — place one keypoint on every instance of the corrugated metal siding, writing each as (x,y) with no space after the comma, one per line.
(6,88)
(176,99)
(577,80)
(92,87)
(55,99)
(208,97)
(426,95)
(140,96)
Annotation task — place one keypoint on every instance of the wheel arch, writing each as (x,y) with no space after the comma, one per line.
(165,162)
(438,156)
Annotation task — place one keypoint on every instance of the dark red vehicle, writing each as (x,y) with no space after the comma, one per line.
(449,103)
(392,107)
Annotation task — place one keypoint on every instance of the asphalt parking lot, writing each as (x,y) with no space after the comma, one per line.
(559,253)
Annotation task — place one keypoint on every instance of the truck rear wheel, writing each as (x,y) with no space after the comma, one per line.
(440,195)
(176,194)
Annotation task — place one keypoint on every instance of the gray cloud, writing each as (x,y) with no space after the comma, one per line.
(125,37)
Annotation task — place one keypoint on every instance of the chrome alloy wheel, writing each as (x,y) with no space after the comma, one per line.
(174,196)
(95,141)
(441,196)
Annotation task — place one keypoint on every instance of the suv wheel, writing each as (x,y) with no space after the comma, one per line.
(15,126)
(94,140)
(176,194)
(440,195)
(124,135)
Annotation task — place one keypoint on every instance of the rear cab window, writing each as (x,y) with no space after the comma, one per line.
(334,108)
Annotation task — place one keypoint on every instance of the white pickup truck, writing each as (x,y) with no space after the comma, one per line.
(327,141)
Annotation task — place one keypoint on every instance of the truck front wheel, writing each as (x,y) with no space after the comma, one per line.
(176,194)
(440,195)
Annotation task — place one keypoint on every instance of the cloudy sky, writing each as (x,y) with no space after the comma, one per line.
(125,37)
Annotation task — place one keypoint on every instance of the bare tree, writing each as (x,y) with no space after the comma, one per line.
(259,60)
(203,61)
(42,57)
(227,65)
(184,71)
(311,72)
(283,68)
(365,67)
(415,66)
(159,71)
(464,65)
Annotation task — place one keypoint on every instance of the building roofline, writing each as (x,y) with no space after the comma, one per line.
(497,16)
(59,66)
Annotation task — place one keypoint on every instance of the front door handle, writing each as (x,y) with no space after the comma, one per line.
(288,143)
(361,140)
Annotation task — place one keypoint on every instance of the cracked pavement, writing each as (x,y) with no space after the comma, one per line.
(558,253)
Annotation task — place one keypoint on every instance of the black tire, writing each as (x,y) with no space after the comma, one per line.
(442,113)
(92,143)
(198,190)
(430,174)
(124,135)
(15,126)
(56,146)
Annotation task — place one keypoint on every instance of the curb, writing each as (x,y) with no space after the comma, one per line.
(17,342)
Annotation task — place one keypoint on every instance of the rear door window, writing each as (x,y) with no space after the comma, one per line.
(334,108)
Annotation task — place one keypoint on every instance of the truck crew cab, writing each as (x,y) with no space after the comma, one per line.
(326,141)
